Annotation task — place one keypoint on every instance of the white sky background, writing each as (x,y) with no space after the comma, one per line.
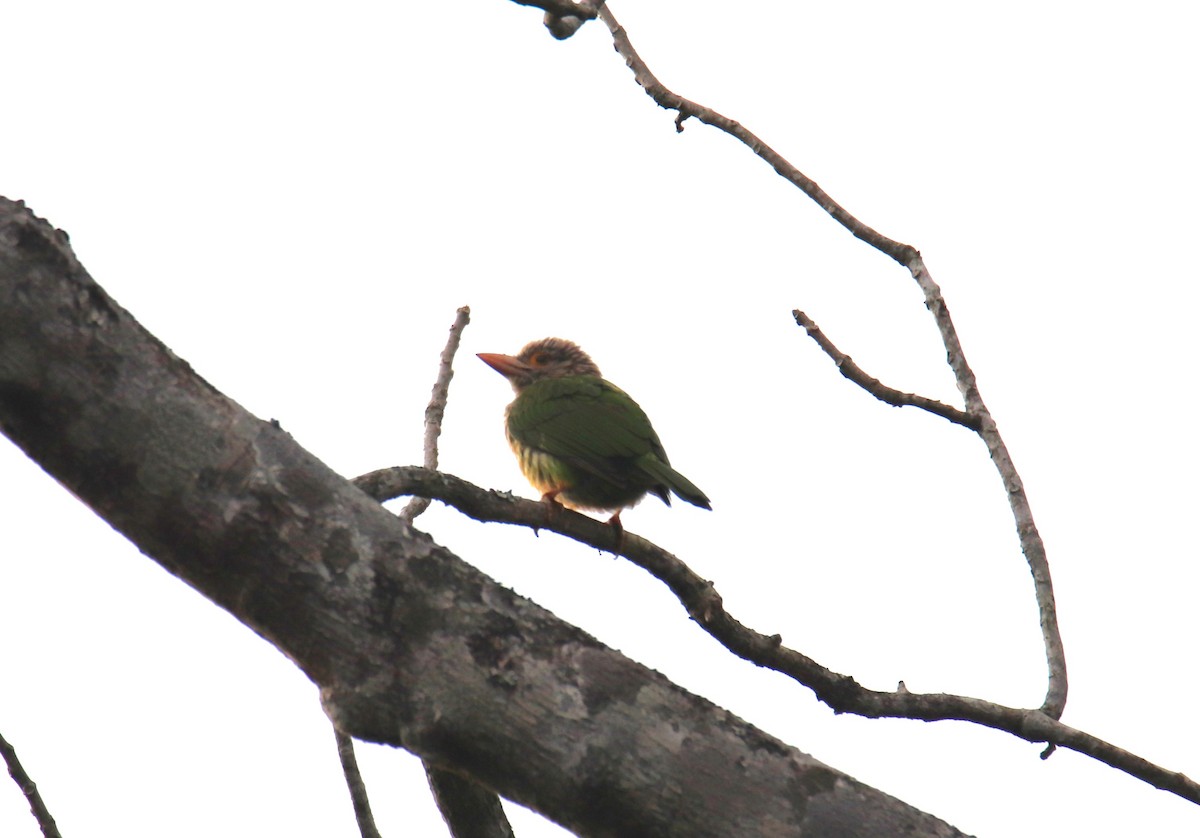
(295,199)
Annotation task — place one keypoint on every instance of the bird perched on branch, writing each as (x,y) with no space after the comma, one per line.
(581,441)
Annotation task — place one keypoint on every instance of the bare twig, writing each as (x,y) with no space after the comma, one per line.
(976,411)
(902,253)
(358,789)
(468,808)
(874,386)
(437,406)
(29,788)
(979,419)
(841,692)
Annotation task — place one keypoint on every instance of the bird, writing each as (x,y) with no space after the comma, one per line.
(583,442)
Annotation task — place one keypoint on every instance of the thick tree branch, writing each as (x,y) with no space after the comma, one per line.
(976,410)
(703,604)
(29,788)
(409,645)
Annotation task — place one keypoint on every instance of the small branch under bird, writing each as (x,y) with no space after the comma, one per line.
(580,440)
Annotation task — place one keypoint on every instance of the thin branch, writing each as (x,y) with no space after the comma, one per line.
(437,406)
(354,782)
(978,419)
(907,255)
(874,386)
(1032,545)
(902,253)
(470,810)
(29,788)
(703,604)
(434,413)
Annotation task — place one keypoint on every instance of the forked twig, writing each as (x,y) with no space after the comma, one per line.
(976,416)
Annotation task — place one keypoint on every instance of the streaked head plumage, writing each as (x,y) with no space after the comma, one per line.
(541,359)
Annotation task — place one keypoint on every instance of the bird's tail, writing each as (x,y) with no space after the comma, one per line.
(677,483)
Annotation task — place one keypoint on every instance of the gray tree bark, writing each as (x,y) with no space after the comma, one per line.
(409,645)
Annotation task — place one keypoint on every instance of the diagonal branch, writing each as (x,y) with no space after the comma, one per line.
(354,782)
(902,253)
(874,386)
(410,645)
(29,788)
(703,604)
(907,255)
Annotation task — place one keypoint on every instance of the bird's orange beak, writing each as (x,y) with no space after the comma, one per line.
(506,365)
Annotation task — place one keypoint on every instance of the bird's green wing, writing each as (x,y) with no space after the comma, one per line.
(595,426)
(582,418)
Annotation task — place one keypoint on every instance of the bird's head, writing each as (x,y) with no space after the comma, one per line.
(546,358)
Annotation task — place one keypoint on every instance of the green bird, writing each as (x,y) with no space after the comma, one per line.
(581,441)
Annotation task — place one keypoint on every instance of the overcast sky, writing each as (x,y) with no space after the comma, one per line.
(296,198)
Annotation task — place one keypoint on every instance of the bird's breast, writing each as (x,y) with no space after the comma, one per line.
(546,472)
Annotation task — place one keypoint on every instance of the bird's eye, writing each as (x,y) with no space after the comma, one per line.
(538,360)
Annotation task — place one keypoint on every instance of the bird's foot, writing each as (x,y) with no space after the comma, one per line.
(615,523)
(553,507)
